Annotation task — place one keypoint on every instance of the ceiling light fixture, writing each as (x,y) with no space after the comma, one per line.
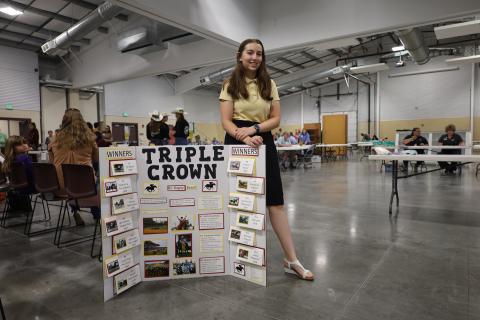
(457,29)
(399,48)
(10,11)
(376,67)
(463,60)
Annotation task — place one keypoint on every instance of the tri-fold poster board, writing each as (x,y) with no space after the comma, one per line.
(173,212)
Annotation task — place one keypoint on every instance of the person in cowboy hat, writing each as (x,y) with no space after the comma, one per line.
(181,127)
(157,128)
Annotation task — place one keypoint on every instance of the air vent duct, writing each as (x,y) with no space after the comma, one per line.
(412,40)
(93,20)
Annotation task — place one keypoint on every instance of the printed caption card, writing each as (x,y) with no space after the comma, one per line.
(241,201)
(241,166)
(125,203)
(250,184)
(242,236)
(127,279)
(117,186)
(250,220)
(124,241)
(118,224)
(251,255)
(118,263)
(123,167)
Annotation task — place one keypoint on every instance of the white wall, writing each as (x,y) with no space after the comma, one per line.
(87,104)
(425,96)
(291,106)
(19,79)
(138,97)
(54,103)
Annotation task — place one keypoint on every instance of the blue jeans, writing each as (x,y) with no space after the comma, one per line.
(181,141)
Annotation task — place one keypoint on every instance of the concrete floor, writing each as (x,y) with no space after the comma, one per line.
(423,263)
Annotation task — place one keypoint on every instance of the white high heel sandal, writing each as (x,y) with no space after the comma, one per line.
(290,269)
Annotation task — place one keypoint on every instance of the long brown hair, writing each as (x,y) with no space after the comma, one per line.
(74,132)
(12,142)
(236,83)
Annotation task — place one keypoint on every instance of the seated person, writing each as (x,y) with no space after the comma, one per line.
(215,141)
(16,150)
(414,139)
(198,141)
(450,138)
(365,137)
(286,141)
(292,138)
(74,144)
(305,137)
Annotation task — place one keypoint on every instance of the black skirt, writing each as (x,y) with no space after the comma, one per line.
(273,180)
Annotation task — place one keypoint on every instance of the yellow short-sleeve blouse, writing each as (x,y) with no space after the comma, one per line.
(255,108)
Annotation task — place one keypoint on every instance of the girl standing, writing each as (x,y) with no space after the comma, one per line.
(250,109)
(181,128)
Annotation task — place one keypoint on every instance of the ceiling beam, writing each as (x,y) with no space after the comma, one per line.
(51,15)
(336,52)
(18,45)
(309,56)
(93,6)
(32,28)
(290,62)
(24,36)
(275,69)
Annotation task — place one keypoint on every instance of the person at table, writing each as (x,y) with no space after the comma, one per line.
(305,137)
(450,138)
(198,141)
(415,139)
(74,144)
(365,137)
(297,134)
(250,109)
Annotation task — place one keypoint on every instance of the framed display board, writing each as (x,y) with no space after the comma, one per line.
(173,212)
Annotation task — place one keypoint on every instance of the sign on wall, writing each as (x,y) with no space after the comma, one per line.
(174,212)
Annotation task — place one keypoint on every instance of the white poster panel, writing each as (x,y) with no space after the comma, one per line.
(182,220)
(193,219)
(249,195)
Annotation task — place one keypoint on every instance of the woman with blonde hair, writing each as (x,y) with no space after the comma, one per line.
(74,144)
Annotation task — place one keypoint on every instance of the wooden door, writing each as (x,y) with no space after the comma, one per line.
(335,130)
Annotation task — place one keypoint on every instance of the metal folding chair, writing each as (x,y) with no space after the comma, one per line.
(82,193)
(18,181)
(46,183)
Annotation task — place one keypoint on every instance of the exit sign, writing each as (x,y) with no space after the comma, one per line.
(9,106)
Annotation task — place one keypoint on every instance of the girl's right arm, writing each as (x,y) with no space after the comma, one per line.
(226,113)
